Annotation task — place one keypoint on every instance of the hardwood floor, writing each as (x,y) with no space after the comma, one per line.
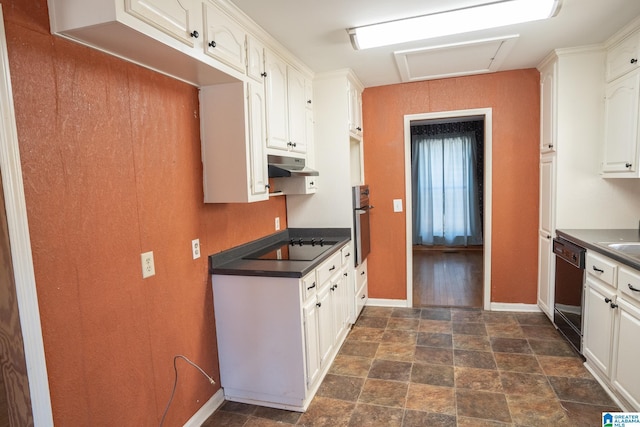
(447,278)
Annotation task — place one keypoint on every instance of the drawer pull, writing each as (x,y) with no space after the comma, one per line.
(332,268)
(597,269)
(312,286)
(633,289)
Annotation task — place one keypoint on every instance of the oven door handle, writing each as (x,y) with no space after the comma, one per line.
(364,209)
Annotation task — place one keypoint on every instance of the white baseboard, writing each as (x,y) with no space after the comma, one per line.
(206,410)
(375,302)
(501,306)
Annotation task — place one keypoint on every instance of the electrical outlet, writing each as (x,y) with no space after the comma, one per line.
(397,205)
(195,248)
(148,266)
(277,223)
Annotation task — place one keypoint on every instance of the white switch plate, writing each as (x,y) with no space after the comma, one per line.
(148,266)
(277,223)
(397,205)
(195,248)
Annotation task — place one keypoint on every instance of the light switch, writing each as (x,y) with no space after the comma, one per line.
(397,205)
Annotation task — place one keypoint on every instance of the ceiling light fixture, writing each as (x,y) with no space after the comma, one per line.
(490,15)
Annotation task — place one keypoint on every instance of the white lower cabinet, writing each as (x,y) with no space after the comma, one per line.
(612,328)
(278,336)
(599,325)
(361,289)
(626,375)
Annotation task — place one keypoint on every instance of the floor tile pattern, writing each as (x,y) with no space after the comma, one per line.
(445,367)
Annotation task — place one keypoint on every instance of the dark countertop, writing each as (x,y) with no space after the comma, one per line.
(231,262)
(594,239)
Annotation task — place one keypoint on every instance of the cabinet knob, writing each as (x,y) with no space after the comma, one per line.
(195,34)
(312,183)
(634,60)
(263,74)
(318,304)
(212,43)
(267,186)
(612,305)
(345,274)
(607,300)
(359,129)
(550,145)
(363,296)
(308,101)
(362,274)
(628,165)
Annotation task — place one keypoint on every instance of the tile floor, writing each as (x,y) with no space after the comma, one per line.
(445,367)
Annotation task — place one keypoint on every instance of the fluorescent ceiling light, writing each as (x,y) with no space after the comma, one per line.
(491,15)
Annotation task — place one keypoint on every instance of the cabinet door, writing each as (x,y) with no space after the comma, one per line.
(277,111)
(173,17)
(598,325)
(545,274)
(325,323)
(225,39)
(355,110)
(257,135)
(312,349)
(548,102)
(621,125)
(626,375)
(623,57)
(297,104)
(255,59)
(547,194)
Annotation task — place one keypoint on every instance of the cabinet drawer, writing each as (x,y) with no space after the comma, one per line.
(629,283)
(309,286)
(601,268)
(328,268)
(346,253)
(361,274)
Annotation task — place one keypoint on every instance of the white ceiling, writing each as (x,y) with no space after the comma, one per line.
(315,31)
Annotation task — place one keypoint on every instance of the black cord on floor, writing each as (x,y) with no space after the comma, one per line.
(175,381)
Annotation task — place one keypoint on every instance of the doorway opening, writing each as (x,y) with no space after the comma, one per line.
(448,217)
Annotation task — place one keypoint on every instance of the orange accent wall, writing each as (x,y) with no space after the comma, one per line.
(515,100)
(111,163)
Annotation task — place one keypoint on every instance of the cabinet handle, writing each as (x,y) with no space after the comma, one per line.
(597,269)
(318,304)
(312,286)
(607,300)
(212,43)
(633,289)
(634,60)
(332,268)
(612,305)
(348,254)
(263,74)
(363,296)
(359,129)
(195,34)
(628,165)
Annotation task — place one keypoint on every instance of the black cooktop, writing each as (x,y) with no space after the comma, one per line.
(293,250)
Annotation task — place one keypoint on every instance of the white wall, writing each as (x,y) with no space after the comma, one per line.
(584,198)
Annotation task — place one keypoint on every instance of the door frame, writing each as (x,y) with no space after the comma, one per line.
(487,113)
(20,241)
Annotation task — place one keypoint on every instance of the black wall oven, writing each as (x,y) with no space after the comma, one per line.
(568,295)
(361,209)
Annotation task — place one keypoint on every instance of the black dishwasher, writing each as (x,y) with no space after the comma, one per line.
(568,294)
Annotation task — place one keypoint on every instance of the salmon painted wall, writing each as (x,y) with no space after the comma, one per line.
(515,100)
(111,163)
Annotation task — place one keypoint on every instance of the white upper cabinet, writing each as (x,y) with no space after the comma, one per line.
(255,59)
(620,154)
(224,37)
(355,110)
(623,57)
(548,107)
(177,18)
(286,92)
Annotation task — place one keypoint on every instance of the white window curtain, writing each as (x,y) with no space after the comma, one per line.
(445,193)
